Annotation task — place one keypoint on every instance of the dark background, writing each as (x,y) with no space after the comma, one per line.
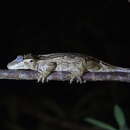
(97,31)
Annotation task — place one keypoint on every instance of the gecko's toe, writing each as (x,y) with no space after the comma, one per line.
(43,79)
(84,81)
(79,80)
(39,79)
(47,79)
(71,80)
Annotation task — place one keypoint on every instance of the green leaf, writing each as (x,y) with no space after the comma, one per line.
(100,124)
(119,116)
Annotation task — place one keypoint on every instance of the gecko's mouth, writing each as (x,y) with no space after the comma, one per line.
(12,66)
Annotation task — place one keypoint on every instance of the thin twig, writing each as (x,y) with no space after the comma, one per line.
(63,76)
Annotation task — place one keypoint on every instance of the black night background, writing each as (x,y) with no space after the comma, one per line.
(96,31)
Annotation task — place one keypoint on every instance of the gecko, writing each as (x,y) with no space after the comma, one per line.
(75,63)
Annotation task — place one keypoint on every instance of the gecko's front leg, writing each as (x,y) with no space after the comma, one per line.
(45,70)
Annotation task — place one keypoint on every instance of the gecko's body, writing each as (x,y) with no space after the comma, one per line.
(75,63)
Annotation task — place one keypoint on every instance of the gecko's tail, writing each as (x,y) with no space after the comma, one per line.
(121,69)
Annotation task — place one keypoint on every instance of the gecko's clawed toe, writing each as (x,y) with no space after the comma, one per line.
(39,78)
(79,80)
(71,80)
(43,80)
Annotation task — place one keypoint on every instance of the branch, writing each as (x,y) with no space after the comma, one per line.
(62,76)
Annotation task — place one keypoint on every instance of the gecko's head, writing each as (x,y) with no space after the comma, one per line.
(22,62)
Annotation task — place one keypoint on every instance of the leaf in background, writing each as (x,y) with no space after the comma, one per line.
(100,124)
(119,116)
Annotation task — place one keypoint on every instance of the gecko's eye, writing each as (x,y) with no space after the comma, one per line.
(31,60)
(19,58)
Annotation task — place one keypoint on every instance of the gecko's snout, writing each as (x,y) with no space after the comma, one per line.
(9,66)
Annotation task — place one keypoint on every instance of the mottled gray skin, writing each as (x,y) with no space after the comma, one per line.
(75,63)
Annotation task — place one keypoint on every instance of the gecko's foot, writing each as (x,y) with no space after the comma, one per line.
(75,76)
(42,78)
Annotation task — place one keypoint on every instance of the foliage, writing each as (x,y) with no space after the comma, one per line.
(119,117)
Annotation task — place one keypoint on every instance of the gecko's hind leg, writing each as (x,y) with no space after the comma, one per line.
(76,76)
